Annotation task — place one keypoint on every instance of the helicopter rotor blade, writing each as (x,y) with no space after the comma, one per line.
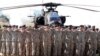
(31,5)
(49,4)
(82,8)
(20,6)
(80,5)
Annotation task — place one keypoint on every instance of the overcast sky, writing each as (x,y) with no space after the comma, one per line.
(78,16)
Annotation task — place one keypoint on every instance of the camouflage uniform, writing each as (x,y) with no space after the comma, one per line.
(47,43)
(57,43)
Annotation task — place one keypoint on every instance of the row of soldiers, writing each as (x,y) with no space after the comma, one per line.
(68,27)
(49,41)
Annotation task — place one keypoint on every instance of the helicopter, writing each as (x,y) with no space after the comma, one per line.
(51,16)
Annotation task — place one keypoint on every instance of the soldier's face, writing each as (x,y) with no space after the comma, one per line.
(57,28)
(8,29)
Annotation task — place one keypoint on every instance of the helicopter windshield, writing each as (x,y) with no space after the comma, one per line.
(54,16)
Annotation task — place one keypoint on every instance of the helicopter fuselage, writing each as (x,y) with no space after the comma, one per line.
(50,18)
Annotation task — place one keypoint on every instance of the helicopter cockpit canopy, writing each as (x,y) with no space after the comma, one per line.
(54,16)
